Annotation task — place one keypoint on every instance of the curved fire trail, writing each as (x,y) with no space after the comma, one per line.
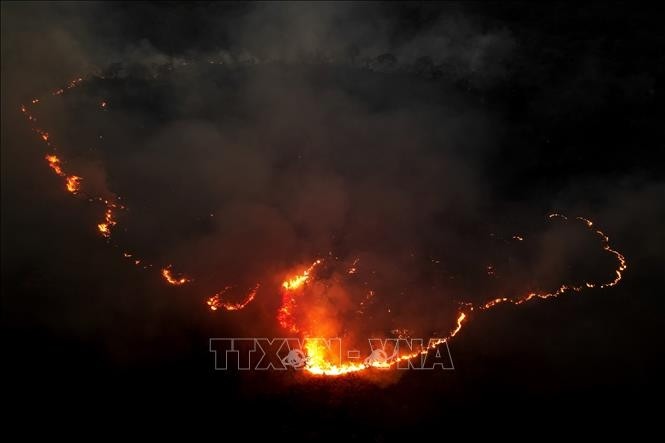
(319,364)
(293,286)
(105,227)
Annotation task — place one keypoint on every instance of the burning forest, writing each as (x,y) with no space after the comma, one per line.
(352,220)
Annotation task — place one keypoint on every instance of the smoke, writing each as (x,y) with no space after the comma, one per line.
(262,137)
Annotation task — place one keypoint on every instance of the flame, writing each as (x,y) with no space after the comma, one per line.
(215,302)
(299,280)
(318,359)
(170,279)
(289,288)
(54,163)
(109,221)
(319,362)
(605,244)
(73,183)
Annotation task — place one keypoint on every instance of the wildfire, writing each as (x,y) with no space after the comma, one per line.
(215,302)
(299,280)
(318,358)
(289,287)
(73,183)
(54,163)
(319,361)
(104,228)
(170,279)
(605,244)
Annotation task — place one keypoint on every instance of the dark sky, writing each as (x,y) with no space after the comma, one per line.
(397,133)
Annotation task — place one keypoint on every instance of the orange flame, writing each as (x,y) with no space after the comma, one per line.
(170,279)
(54,163)
(73,183)
(109,221)
(289,286)
(215,302)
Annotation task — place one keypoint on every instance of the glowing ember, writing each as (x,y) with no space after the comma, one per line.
(215,302)
(170,279)
(353,269)
(54,163)
(105,227)
(73,183)
(299,280)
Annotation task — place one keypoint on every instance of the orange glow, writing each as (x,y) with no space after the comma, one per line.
(605,244)
(353,269)
(105,227)
(318,361)
(215,302)
(170,279)
(289,288)
(319,364)
(73,183)
(54,163)
(299,280)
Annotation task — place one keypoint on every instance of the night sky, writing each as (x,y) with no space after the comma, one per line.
(427,143)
